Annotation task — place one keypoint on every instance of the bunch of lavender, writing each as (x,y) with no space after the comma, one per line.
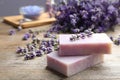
(79,15)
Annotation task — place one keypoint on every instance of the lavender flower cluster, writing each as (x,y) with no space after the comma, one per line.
(78,15)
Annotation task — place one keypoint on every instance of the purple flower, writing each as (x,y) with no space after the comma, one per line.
(93,18)
(111,38)
(111,9)
(12,32)
(49,50)
(19,50)
(73,22)
(86,13)
(76,30)
(26,36)
(38,53)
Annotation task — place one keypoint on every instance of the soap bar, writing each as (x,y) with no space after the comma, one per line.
(96,44)
(70,65)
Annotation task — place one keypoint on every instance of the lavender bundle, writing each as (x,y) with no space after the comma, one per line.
(79,15)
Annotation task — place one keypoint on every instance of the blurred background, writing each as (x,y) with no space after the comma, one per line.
(11,7)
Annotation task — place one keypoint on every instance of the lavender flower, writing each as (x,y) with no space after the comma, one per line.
(103,14)
(12,32)
(26,36)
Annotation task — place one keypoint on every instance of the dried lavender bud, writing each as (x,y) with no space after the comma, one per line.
(31,55)
(77,36)
(49,50)
(116,42)
(30,31)
(82,35)
(89,35)
(19,28)
(35,41)
(76,30)
(38,41)
(24,50)
(26,36)
(33,36)
(72,39)
(27,57)
(43,49)
(111,38)
(28,46)
(53,36)
(46,35)
(34,46)
(12,32)
(87,31)
(38,53)
(19,50)
(44,43)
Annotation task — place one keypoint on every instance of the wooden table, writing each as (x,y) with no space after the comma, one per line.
(13,67)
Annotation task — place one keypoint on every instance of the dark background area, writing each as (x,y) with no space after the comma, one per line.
(11,7)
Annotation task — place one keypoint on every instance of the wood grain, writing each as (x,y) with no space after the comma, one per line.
(13,67)
(42,20)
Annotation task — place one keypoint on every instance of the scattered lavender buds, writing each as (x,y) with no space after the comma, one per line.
(38,47)
(49,35)
(85,34)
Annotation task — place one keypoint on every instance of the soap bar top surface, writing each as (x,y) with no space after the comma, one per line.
(95,38)
(98,43)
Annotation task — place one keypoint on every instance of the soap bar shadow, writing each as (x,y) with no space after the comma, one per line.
(56,73)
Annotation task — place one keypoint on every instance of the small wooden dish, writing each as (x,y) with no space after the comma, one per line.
(42,20)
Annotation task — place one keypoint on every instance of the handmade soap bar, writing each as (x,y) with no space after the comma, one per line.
(96,44)
(70,65)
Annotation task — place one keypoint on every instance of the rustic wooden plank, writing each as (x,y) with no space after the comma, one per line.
(42,20)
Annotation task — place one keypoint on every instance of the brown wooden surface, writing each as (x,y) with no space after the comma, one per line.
(13,67)
(43,19)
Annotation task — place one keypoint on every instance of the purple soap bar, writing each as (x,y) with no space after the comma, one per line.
(96,44)
(70,65)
